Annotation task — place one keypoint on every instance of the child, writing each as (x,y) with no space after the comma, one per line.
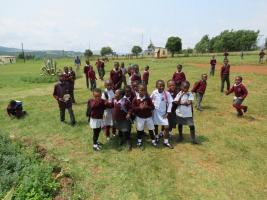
(178,77)
(146,75)
(122,117)
(172,116)
(135,76)
(199,88)
(123,71)
(135,88)
(225,73)
(240,94)
(95,112)
(72,76)
(92,78)
(15,109)
(212,65)
(86,68)
(108,95)
(116,76)
(162,101)
(142,107)
(183,105)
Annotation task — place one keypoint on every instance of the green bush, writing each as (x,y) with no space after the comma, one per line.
(39,79)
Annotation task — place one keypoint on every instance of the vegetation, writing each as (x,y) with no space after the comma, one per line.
(106,51)
(136,50)
(174,45)
(88,53)
(49,67)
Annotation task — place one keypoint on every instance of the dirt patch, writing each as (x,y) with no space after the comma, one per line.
(238,68)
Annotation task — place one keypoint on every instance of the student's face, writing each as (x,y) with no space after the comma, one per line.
(185,88)
(225,62)
(128,92)
(108,86)
(117,94)
(179,69)
(116,66)
(204,78)
(237,80)
(135,87)
(141,91)
(160,87)
(171,86)
(97,95)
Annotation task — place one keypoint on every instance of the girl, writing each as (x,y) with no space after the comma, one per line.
(142,107)
(200,88)
(178,77)
(162,101)
(184,111)
(116,76)
(172,116)
(136,76)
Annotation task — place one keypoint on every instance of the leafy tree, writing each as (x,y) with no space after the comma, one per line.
(136,50)
(203,45)
(88,53)
(174,45)
(106,51)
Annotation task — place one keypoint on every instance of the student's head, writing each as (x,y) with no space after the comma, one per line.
(160,85)
(136,68)
(70,68)
(87,62)
(141,90)
(225,61)
(185,85)
(204,77)
(118,94)
(97,93)
(179,68)
(12,103)
(66,69)
(128,91)
(122,65)
(116,65)
(213,56)
(108,84)
(171,85)
(135,85)
(147,68)
(238,79)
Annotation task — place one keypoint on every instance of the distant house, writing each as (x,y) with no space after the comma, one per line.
(7,59)
(160,52)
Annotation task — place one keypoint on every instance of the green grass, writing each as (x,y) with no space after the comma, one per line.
(231,163)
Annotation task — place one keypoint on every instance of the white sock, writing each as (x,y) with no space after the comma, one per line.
(166,141)
(139,140)
(95,145)
(153,141)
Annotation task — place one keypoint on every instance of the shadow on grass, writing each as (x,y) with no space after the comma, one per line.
(208,108)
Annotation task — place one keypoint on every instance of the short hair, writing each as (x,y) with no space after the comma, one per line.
(170,80)
(204,75)
(142,85)
(240,77)
(179,66)
(97,90)
(160,81)
(116,64)
(185,84)
(127,87)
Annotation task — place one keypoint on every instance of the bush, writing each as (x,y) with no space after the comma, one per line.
(39,79)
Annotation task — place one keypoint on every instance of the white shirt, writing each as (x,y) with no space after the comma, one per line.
(110,95)
(162,101)
(183,110)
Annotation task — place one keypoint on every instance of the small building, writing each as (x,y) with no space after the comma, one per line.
(7,59)
(160,52)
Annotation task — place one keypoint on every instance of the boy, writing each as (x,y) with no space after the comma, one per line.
(72,77)
(178,77)
(240,94)
(200,88)
(145,77)
(212,65)
(116,76)
(92,77)
(124,72)
(261,56)
(101,68)
(86,68)
(225,73)
(135,76)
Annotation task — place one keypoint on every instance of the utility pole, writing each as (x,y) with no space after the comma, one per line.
(23,52)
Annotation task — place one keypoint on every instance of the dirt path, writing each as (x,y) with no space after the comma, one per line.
(238,68)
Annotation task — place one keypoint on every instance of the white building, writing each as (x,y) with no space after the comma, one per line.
(7,59)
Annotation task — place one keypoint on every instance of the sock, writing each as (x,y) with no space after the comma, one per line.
(153,141)
(166,141)
(151,133)
(139,140)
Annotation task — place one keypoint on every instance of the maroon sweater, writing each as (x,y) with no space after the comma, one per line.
(116,76)
(213,61)
(145,112)
(136,77)
(239,90)
(178,77)
(225,70)
(97,108)
(86,69)
(146,76)
(121,109)
(200,87)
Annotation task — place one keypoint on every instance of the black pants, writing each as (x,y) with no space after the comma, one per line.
(62,114)
(212,70)
(93,84)
(141,133)
(192,132)
(87,81)
(225,78)
(96,132)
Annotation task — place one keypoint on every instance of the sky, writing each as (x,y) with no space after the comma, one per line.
(82,24)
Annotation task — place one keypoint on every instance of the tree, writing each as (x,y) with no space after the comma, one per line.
(203,45)
(136,50)
(106,51)
(88,53)
(174,45)
(265,43)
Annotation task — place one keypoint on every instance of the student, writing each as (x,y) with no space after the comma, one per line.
(261,56)
(77,63)
(122,117)
(199,88)
(92,77)
(145,77)
(178,77)
(213,63)
(225,73)
(116,76)
(135,76)
(124,72)
(142,107)
(101,68)
(15,109)
(226,54)
(108,95)
(95,112)
(86,68)
(240,94)
(162,101)
(135,88)
(72,78)
(172,116)
(184,111)
(62,95)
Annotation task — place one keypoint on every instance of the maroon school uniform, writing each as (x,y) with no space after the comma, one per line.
(136,77)
(178,77)
(60,90)
(239,90)
(213,62)
(86,69)
(91,75)
(145,77)
(97,108)
(121,109)
(200,87)
(145,112)
(116,77)
(225,70)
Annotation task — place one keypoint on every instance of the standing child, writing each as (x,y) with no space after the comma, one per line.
(172,116)
(92,78)
(225,73)
(122,117)
(200,88)
(178,77)
(116,76)
(162,101)
(72,76)
(108,95)
(142,107)
(184,111)
(124,72)
(213,63)
(86,68)
(95,112)
(145,77)
(240,94)
(135,76)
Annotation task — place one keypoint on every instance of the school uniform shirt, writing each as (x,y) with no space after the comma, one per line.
(121,108)
(61,89)
(183,110)
(225,70)
(86,69)
(108,111)
(145,112)
(213,61)
(200,87)
(145,76)
(91,74)
(116,76)
(240,91)
(135,77)
(178,77)
(97,108)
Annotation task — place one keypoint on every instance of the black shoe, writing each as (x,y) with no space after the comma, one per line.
(99,144)
(73,123)
(245,109)
(168,145)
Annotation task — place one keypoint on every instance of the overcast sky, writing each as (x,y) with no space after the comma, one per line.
(80,24)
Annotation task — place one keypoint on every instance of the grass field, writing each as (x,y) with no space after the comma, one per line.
(230,163)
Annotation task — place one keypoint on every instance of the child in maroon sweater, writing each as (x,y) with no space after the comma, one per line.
(212,65)
(135,76)
(240,94)
(92,78)
(225,73)
(200,88)
(178,77)
(95,112)
(116,76)
(146,75)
